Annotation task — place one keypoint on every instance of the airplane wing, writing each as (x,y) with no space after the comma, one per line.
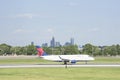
(64,60)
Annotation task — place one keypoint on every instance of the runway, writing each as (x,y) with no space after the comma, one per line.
(57,66)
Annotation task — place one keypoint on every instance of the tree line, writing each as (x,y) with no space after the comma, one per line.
(113,50)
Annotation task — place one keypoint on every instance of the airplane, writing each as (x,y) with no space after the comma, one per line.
(63,58)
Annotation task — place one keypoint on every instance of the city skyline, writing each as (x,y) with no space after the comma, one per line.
(87,21)
(54,43)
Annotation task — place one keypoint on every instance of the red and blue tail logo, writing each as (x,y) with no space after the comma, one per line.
(40,51)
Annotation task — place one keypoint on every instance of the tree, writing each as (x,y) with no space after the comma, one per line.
(55,50)
(5,49)
(96,51)
(87,49)
(48,50)
(31,50)
(118,49)
(113,50)
(71,49)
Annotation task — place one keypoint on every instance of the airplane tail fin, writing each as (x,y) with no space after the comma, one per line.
(40,51)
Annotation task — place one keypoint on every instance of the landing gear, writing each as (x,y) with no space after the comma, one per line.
(65,63)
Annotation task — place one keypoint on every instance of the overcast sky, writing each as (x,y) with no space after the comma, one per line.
(87,21)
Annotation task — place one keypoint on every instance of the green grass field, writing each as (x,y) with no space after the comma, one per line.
(60,74)
(107,73)
(107,60)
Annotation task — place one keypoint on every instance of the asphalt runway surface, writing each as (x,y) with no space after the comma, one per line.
(57,66)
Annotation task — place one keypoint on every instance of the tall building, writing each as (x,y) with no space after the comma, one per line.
(67,44)
(72,41)
(52,42)
(32,43)
(57,44)
(44,45)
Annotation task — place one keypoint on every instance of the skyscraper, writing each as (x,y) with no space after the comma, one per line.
(72,41)
(44,45)
(32,43)
(57,44)
(52,42)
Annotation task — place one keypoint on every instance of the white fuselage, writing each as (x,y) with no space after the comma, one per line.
(68,57)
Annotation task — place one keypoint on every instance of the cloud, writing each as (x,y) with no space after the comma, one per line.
(25,15)
(19,31)
(32,15)
(22,31)
(50,30)
(72,4)
(93,29)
